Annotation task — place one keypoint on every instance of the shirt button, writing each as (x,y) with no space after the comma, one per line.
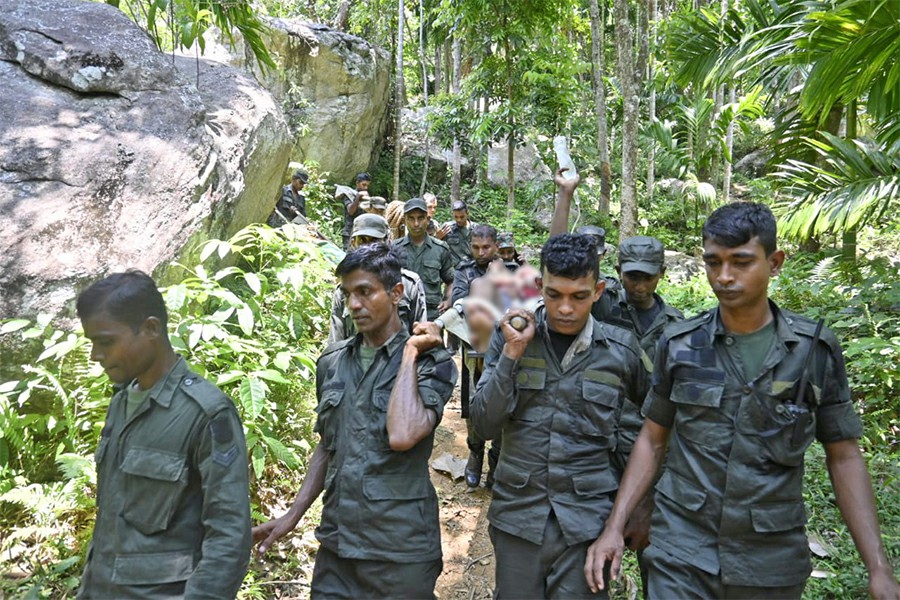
(746,389)
(729,341)
(188,381)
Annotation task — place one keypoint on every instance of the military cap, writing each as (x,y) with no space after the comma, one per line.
(505,240)
(301,176)
(641,253)
(414,204)
(377,202)
(459,205)
(370,225)
(593,230)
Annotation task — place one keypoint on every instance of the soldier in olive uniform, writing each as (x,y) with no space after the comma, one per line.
(352,207)
(427,256)
(381,395)
(554,391)
(506,249)
(458,234)
(292,203)
(373,229)
(743,390)
(173,509)
(484,251)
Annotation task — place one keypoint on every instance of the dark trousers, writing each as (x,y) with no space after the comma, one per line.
(336,577)
(669,577)
(552,569)
(476,445)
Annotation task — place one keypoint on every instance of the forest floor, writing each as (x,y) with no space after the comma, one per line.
(468,555)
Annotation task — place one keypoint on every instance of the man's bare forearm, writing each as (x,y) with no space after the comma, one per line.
(312,485)
(408,420)
(643,464)
(560,222)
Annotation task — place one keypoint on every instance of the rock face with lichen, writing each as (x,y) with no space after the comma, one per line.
(114,155)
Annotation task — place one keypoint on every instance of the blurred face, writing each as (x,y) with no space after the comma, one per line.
(484,249)
(461,217)
(527,282)
(363,240)
(297,184)
(362,185)
(640,287)
(375,210)
(431,205)
(371,306)
(123,353)
(507,254)
(569,301)
(740,276)
(416,223)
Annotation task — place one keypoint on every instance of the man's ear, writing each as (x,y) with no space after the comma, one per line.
(598,288)
(397,293)
(539,282)
(776,261)
(152,328)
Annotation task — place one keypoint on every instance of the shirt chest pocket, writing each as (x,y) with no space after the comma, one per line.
(431,272)
(699,418)
(154,481)
(601,395)
(530,383)
(783,428)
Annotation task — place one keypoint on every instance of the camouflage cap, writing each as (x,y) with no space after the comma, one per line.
(505,240)
(642,253)
(593,230)
(370,225)
(377,202)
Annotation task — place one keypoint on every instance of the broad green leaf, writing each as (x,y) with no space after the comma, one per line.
(229,377)
(282,361)
(271,375)
(253,396)
(14,325)
(176,297)
(245,319)
(252,280)
(258,460)
(208,248)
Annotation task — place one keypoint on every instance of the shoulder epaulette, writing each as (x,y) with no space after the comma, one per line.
(440,243)
(334,347)
(803,325)
(682,327)
(210,398)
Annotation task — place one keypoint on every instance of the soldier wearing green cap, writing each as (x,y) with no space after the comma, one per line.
(427,256)
(374,229)
(506,249)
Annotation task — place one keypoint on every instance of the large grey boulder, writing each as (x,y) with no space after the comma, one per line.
(335,90)
(111,157)
(527,165)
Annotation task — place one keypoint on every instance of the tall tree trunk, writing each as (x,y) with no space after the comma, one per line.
(448,60)
(343,16)
(511,139)
(438,75)
(651,106)
(456,175)
(848,239)
(427,162)
(729,144)
(628,73)
(597,56)
(398,102)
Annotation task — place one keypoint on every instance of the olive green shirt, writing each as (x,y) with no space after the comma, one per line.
(559,422)
(731,498)
(459,240)
(379,504)
(173,508)
(433,263)
(613,308)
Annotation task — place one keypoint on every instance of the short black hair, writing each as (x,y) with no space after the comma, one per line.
(484,231)
(363,177)
(570,255)
(381,260)
(130,297)
(737,223)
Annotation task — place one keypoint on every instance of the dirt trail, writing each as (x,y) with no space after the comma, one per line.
(468,554)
